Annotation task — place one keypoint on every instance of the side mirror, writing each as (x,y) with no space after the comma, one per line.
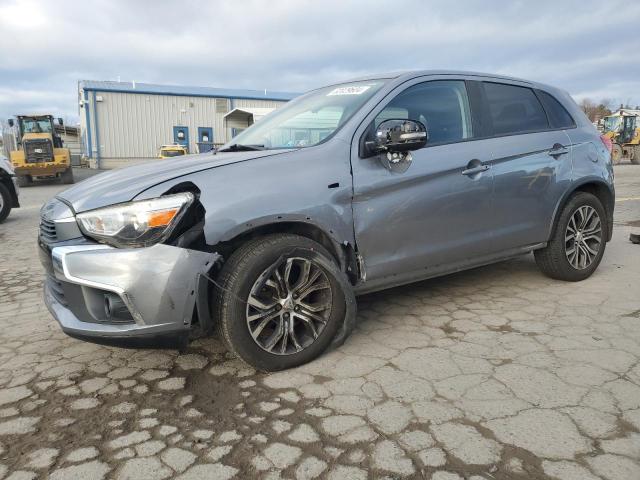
(398,136)
(10,122)
(60,122)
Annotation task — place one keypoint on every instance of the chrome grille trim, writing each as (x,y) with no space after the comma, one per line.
(48,230)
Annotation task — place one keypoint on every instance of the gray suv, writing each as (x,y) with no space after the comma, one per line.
(350,188)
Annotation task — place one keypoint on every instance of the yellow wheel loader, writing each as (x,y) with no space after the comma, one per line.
(39,152)
(623,129)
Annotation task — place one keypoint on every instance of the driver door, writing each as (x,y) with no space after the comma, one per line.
(433,215)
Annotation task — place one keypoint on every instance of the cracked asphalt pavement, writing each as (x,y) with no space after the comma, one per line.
(494,373)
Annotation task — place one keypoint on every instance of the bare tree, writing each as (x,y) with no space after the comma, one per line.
(595,111)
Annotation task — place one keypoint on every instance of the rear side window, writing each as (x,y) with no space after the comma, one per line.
(558,115)
(514,109)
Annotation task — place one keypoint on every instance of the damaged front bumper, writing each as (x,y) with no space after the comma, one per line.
(97,292)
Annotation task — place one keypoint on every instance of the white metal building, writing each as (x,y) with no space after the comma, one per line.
(123,122)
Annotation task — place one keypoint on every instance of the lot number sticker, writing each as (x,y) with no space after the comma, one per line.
(353,90)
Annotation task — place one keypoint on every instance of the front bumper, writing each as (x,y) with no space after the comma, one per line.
(46,169)
(158,285)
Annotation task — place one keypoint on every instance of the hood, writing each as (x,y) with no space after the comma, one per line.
(123,184)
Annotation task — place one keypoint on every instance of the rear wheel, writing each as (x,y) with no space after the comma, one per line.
(67,176)
(279,301)
(579,240)
(616,154)
(6,202)
(24,180)
(635,155)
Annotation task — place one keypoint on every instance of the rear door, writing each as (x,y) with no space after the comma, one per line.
(531,163)
(433,212)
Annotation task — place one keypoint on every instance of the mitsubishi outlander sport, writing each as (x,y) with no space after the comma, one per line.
(350,188)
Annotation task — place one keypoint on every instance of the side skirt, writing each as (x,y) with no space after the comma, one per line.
(440,270)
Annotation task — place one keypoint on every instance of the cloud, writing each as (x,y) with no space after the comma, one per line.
(586,47)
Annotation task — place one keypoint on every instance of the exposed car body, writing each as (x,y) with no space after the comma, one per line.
(351,188)
(9,190)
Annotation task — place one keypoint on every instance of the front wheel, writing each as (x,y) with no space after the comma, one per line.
(6,202)
(578,242)
(635,157)
(280,301)
(616,154)
(24,180)
(67,176)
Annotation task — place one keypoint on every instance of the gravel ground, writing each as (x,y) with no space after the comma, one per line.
(494,373)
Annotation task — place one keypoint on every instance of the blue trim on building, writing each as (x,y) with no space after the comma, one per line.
(88,122)
(184,91)
(95,122)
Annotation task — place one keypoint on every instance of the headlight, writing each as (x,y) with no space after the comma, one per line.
(136,224)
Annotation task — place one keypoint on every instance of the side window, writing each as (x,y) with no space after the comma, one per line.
(558,115)
(442,106)
(514,109)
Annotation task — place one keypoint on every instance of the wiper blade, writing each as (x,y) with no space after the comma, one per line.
(238,147)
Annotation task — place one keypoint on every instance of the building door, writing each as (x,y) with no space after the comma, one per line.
(181,136)
(205,139)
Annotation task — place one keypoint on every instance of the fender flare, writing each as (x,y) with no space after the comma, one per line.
(577,186)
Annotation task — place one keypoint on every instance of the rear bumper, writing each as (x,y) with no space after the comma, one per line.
(158,286)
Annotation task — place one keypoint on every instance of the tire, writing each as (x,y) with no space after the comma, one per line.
(616,154)
(635,157)
(24,180)
(248,272)
(67,176)
(556,260)
(6,202)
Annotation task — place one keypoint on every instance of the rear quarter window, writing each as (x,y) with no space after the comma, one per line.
(514,109)
(558,115)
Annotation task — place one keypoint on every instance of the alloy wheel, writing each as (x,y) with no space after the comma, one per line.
(583,237)
(289,306)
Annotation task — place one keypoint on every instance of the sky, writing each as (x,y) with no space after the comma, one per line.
(589,48)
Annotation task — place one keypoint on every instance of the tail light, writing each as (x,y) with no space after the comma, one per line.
(607,142)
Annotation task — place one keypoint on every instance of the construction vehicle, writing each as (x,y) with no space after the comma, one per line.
(172,150)
(38,151)
(623,129)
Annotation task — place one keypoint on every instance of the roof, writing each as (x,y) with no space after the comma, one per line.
(625,112)
(184,91)
(408,74)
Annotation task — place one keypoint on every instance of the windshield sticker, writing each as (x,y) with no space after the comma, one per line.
(353,90)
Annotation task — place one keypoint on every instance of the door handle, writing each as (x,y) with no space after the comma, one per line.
(474,170)
(558,150)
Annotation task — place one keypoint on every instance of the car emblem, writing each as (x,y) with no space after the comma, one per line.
(38,150)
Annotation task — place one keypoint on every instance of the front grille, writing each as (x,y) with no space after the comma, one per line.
(38,151)
(48,230)
(55,286)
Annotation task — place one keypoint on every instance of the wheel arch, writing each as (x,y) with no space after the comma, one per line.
(596,187)
(342,252)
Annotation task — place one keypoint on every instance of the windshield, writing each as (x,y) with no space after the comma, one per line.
(32,125)
(311,119)
(172,153)
(612,124)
